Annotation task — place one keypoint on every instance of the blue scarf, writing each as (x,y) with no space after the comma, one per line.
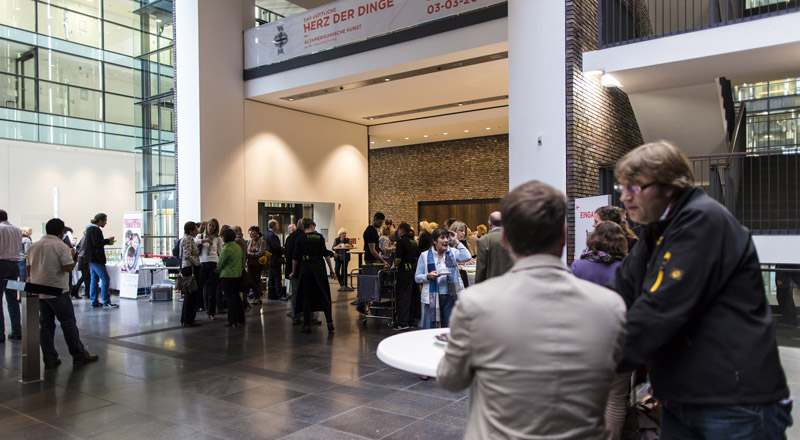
(453,285)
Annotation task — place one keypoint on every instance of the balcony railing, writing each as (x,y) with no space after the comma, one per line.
(630,21)
(761,189)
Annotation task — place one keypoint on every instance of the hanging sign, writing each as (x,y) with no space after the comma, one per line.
(343,22)
(131,254)
(584,219)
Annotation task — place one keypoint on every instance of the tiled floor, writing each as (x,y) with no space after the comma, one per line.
(157,380)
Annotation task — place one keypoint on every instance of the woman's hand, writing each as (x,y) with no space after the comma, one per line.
(432,275)
(331,275)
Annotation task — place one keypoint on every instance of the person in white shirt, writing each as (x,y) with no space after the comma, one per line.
(210,246)
(10,248)
(48,263)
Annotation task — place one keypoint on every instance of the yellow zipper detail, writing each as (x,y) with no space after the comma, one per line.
(660,277)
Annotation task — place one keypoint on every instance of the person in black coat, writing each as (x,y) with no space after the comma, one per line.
(406,255)
(275,283)
(308,267)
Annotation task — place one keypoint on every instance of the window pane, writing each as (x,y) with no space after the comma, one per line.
(17,93)
(18,14)
(122,40)
(16,58)
(121,110)
(88,7)
(69,69)
(121,11)
(70,101)
(123,80)
(68,25)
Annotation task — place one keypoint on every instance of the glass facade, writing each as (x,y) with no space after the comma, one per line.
(773,114)
(96,74)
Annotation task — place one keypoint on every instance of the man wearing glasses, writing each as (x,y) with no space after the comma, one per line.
(698,314)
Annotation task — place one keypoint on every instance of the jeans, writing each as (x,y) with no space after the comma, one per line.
(9,270)
(100,274)
(446,304)
(725,422)
(61,308)
(22,274)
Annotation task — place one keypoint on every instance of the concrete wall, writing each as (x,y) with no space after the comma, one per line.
(89,181)
(291,156)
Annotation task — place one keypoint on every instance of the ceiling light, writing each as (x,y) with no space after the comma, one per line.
(466,131)
(406,138)
(444,134)
(291,99)
(460,104)
(610,81)
(425,136)
(417,111)
(388,140)
(387,79)
(488,128)
(371,119)
(596,72)
(372,142)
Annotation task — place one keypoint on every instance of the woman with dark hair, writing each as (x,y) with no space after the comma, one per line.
(437,270)
(308,265)
(406,263)
(256,247)
(616,215)
(607,246)
(229,268)
(189,255)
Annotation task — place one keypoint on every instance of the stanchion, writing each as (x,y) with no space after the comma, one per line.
(31,361)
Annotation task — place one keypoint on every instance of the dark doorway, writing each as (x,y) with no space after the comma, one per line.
(284,213)
(472,212)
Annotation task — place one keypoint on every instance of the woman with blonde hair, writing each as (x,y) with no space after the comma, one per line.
(210,246)
(23,253)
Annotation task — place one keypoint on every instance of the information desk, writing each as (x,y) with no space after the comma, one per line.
(414,351)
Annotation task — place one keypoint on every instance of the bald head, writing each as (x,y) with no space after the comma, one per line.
(495,220)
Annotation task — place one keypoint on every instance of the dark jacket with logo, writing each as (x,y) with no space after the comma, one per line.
(94,245)
(698,313)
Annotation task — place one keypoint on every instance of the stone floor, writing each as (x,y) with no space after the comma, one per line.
(157,380)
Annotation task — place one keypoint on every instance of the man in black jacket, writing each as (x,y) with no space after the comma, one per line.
(95,254)
(698,314)
(274,283)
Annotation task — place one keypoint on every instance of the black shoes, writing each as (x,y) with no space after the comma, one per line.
(53,365)
(15,336)
(86,360)
(192,324)
(330,327)
(306,329)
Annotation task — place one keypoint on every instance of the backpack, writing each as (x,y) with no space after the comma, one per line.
(176,250)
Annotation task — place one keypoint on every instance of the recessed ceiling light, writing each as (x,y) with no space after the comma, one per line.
(466,131)
(291,99)
(488,128)
(371,119)
(460,104)
(388,140)
(444,134)
(372,142)
(406,138)
(425,136)
(387,79)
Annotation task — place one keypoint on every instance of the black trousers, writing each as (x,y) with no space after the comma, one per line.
(274,282)
(254,275)
(209,281)
(230,288)
(190,299)
(341,269)
(404,294)
(783,291)
(85,279)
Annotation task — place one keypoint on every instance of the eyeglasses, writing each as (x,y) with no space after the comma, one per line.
(636,189)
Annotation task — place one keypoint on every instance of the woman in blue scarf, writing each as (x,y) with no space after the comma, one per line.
(437,270)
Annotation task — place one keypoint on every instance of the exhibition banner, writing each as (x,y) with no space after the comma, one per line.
(584,219)
(131,254)
(343,22)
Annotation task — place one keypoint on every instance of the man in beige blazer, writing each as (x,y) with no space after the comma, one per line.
(493,258)
(538,345)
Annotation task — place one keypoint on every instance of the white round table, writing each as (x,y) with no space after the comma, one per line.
(414,351)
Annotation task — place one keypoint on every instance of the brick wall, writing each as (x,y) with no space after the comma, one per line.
(399,177)
(601,126)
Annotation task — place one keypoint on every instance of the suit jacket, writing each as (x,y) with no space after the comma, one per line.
(493,258)
(540,348)
(274,248)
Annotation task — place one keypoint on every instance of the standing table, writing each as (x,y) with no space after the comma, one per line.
(415,351)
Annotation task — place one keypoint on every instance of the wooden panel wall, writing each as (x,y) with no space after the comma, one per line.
(471,212)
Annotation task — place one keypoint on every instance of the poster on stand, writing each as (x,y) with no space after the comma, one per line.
(584,219)
(131,254)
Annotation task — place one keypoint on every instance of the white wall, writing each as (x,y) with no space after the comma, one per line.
(537,93)
(292,156)
(89,181)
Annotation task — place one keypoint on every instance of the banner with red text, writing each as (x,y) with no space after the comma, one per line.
(131,254)
(584,219)
(343,22)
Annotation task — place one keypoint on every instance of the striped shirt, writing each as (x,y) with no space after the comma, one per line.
(10,241)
